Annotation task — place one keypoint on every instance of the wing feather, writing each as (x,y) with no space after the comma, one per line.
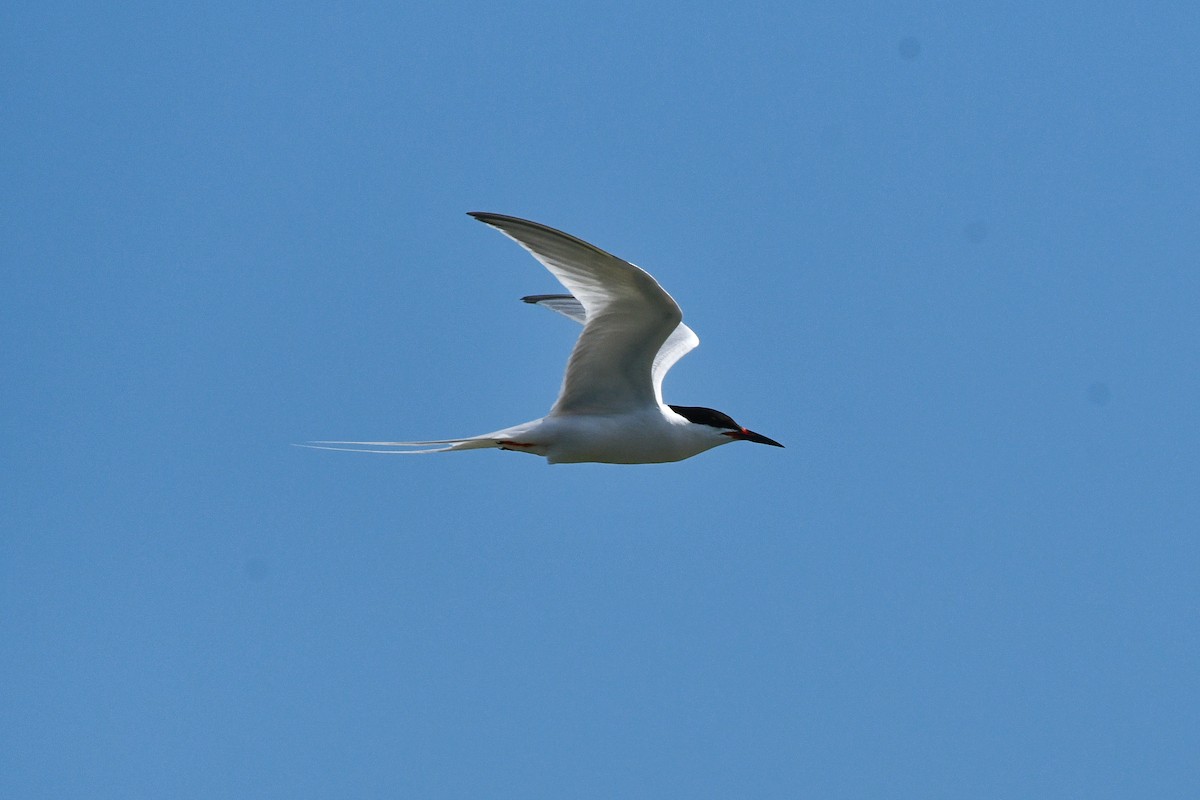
(681,341)
(628,317)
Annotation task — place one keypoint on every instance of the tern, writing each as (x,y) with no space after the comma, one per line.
(610,408)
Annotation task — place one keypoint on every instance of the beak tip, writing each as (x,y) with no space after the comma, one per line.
(758,438)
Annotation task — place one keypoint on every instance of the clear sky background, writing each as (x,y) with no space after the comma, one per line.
(945,252)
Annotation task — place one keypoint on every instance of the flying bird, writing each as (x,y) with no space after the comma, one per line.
(610,408)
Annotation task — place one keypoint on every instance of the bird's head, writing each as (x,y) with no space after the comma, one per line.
(722,424)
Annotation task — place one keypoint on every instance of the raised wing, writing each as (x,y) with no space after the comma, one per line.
(628,317)
(681,341)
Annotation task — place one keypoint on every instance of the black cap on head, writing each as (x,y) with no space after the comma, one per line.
(706,416)
(722,422)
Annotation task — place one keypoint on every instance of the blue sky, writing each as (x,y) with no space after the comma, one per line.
(947,255)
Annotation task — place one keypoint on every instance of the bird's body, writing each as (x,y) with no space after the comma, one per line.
(610,408)
(642,436)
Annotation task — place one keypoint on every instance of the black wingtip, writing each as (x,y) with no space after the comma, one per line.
(500,220)
(538,298)
(487,216)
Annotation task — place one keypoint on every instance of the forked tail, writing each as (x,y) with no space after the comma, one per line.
(508,439)
(405,448)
